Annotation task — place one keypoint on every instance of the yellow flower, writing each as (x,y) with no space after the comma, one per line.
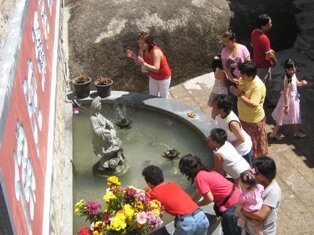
(79,205)
(128,211)
(109,196)
(139,206)
(156,212)
(97,233)
(154,204)
(98,227)
(113,181)
(118,222)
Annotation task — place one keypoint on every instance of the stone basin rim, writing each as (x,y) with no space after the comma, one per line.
(200,123)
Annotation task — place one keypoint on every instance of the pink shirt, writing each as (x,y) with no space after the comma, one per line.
(211,181)
(251,200)
(234,61)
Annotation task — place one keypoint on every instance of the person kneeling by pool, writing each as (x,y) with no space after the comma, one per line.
(189,218)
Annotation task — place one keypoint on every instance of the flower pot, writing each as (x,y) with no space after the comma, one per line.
(81,86)
(103,90)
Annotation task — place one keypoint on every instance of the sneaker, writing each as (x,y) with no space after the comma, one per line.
(300,135)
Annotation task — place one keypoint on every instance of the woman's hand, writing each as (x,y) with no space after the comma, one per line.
(140,60)
(286,109)
(304,82)
(131,54)
(235,91)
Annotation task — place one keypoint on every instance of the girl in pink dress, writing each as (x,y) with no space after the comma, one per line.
(250,198)
(287,110)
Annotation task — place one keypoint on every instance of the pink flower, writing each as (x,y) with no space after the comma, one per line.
(92,207)
(141,218)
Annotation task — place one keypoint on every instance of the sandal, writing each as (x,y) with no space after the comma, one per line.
(276,137)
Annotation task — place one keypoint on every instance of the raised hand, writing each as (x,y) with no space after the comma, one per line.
(130,54)
(140,60)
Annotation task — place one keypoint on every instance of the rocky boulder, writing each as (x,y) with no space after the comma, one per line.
(188,31)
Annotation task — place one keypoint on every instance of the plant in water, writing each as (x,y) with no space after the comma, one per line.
(127,211)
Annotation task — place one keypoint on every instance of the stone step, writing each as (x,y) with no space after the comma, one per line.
(305,16)
(306,28)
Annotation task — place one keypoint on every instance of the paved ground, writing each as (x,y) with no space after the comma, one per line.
(294,157)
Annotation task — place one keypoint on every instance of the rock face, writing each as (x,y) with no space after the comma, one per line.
(188,31)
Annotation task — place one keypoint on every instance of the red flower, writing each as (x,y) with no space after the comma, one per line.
(84,231)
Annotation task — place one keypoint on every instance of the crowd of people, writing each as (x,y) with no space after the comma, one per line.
(242,183)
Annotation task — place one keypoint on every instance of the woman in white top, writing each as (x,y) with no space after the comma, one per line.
(229,121)
(227,159)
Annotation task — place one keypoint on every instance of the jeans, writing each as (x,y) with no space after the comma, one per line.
(229,222)
(159,86)
(249,157)
(196,224)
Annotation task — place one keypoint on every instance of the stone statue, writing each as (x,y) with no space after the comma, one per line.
(106,144)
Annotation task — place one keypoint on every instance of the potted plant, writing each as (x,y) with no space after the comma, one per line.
(81,85)
(103,86)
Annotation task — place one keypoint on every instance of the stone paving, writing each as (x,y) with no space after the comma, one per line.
(294,157)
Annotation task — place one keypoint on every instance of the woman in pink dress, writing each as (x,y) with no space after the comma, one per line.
(287,110)
(250,198)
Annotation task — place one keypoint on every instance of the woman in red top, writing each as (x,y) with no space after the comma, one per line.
(153,61)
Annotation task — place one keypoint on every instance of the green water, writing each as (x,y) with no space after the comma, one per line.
(151,134)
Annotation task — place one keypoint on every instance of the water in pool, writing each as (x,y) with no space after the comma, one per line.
(150,136)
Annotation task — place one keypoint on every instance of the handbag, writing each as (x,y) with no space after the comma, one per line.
(217,208)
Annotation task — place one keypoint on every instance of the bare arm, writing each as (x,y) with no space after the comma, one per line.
(301,83)
(258,215)
(227,70)
(214,111)
(272,56)
(157,56)
(218,163)
(196,196)
(132,55)
(286,95)
(237,131)
(237,92)
(207,198)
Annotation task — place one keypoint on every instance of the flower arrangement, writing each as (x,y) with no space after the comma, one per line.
(127,211)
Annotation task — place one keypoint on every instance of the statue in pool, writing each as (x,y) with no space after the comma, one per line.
(106,144)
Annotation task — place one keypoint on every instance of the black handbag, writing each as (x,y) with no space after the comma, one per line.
(216,208)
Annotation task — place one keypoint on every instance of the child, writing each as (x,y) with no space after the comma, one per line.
(220,81)
(287,110)
(250,198)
